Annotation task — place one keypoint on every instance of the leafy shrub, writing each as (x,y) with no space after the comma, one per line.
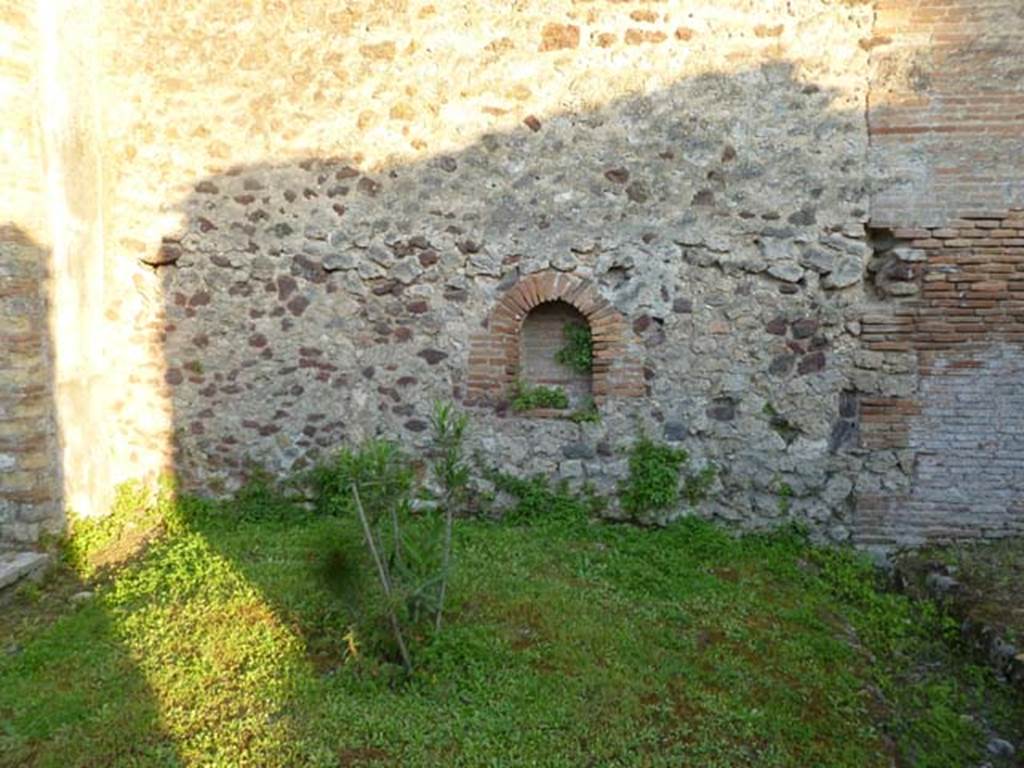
(377,468)
(653,484)
(536,498)
(526,397)
(452,473)
(448,461)
(375,483)
(578,352)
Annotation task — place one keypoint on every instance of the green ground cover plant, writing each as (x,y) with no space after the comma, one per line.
(250,632)
(990,577)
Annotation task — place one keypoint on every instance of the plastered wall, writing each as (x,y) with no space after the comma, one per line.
(30,477)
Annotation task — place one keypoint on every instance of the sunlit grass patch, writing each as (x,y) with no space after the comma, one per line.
(249,639)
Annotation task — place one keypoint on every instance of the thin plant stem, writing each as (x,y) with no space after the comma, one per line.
(446,558)
(397,536)
(385,581)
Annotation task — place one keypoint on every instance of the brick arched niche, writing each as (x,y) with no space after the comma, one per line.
(495,352)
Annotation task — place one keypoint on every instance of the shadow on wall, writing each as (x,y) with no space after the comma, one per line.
(30,499)
(314,302)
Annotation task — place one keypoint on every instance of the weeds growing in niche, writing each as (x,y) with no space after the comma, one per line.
(578,352)
(587,413)
(526,397)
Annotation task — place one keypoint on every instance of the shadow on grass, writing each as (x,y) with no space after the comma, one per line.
(173,632)
(313,301)
(154,642)
(72,692)
(566,643)
(71,689)
(225,642)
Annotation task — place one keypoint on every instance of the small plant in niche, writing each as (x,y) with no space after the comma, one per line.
(578,352)
(526,397)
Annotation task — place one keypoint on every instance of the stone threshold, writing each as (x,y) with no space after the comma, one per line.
(16,567)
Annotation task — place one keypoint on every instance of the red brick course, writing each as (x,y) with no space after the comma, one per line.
(946,108)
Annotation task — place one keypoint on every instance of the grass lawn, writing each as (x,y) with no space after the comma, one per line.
(237,639)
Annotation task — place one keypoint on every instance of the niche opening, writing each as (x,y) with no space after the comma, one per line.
(553,353)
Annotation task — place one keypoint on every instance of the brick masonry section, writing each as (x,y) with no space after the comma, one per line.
(29,476)
(956,322)
(945,109)
(29,491)
(494,358)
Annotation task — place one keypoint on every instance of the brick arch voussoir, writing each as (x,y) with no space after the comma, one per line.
(604,320)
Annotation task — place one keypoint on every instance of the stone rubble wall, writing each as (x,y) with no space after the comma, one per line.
(314,211)
(295,226)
